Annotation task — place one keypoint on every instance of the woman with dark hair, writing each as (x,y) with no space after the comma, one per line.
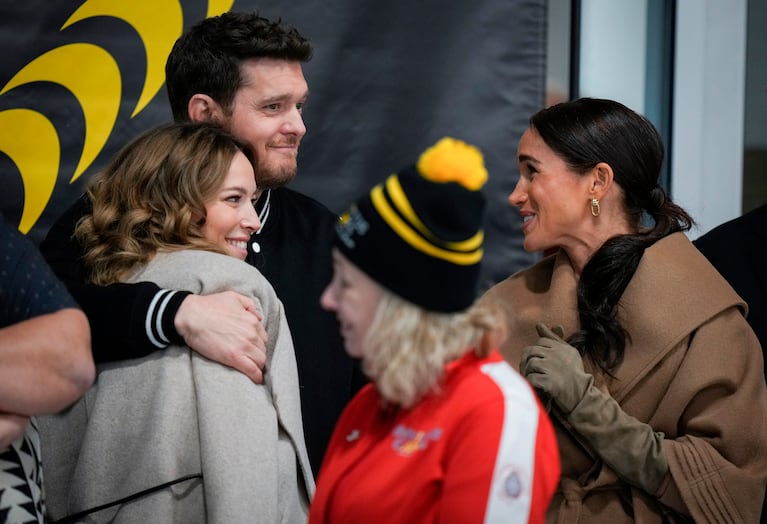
(652,375)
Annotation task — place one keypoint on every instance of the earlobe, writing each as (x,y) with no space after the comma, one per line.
(202,108)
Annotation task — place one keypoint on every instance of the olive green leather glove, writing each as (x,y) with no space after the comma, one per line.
(555,368)
(630,447)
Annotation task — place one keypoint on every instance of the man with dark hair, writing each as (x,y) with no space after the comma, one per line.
(243,72)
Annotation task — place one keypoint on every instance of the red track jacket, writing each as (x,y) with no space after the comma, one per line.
(481,450)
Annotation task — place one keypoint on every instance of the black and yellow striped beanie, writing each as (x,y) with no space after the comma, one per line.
(419,233)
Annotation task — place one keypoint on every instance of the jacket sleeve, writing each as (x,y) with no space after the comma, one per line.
(719,463)
(127,320)
(513,480)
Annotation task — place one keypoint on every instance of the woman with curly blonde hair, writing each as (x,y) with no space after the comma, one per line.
(173,436)
(446,431)
(153,196)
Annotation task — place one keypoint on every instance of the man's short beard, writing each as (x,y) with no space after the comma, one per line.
(273,178)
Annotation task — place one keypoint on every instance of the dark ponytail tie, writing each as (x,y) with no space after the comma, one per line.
(656,199)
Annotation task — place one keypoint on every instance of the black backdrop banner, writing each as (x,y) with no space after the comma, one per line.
(79,79)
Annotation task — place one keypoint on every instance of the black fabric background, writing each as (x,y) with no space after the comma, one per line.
(387,80)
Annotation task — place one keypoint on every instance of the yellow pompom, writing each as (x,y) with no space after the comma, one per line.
(452,160)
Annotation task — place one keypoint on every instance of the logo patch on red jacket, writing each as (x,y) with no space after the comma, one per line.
(408,440)
(512,482)
(512,485)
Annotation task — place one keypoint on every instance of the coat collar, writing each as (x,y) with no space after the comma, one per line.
(674,290)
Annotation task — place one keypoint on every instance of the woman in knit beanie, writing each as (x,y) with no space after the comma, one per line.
(446,431)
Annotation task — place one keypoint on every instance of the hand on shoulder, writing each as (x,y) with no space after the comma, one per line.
(225,327)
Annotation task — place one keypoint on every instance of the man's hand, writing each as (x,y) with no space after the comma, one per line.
(11,428)
(225,327)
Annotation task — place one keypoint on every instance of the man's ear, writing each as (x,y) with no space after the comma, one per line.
(601,180)
(202,108)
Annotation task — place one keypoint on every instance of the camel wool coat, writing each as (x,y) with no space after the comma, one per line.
(692,369)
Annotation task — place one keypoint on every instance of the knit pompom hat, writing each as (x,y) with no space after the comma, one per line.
(419,233)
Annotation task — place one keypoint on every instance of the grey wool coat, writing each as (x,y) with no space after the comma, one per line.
(692,369)
(174,437)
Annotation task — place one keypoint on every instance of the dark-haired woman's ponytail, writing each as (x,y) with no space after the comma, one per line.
(608,273)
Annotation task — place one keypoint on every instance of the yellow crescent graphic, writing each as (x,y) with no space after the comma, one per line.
(216,7)
(92,75)
(34,147)
(158,23)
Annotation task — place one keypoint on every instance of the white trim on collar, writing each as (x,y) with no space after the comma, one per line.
(264,214)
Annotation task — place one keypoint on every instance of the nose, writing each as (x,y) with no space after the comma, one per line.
(519,195)
(249,218)
(294,123)
(328,299)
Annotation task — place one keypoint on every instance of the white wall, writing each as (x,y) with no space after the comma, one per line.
(707,136)
(706,145)
(613,50)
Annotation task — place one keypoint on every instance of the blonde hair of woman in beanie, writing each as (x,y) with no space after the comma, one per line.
(446,431)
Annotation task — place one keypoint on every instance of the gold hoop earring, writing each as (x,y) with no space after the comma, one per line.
(595,209)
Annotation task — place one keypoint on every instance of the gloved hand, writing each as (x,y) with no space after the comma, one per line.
(630,447)
(555,368)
